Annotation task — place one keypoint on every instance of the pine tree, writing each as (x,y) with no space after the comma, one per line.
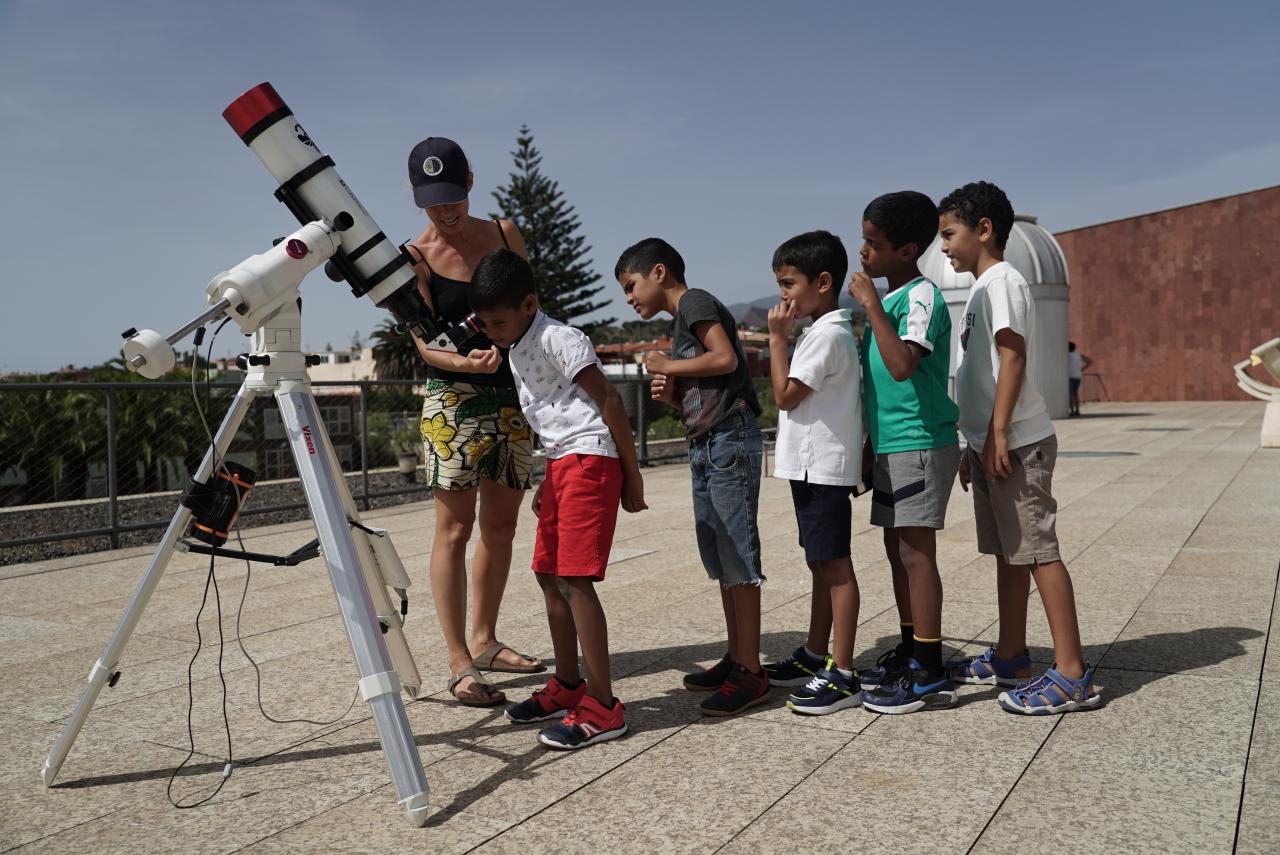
(557,253)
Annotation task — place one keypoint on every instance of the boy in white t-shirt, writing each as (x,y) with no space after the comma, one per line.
(819,451)
(591,467)
(1009,460)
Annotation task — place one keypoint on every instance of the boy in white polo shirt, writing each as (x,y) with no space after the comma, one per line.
(819,451)
(1011,452)
(591,467)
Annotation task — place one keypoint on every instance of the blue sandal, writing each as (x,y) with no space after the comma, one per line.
(987,669)
(1053,693)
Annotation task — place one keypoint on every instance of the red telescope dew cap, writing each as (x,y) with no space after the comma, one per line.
(252,107)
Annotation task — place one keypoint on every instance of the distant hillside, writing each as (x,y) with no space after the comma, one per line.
(755,314)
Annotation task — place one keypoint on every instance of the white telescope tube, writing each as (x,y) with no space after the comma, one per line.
(311,188)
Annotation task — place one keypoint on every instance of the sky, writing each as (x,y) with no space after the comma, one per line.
(723,127)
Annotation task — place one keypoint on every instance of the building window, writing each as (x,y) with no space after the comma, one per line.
(277,463)
(337,419)
(272,426)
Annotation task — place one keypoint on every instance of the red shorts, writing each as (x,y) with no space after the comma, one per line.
(577,515)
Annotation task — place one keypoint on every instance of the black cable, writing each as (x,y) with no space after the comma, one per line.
(210,579)
(248,571)
(208,389)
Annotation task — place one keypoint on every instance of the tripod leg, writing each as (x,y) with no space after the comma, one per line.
(379,683)
(105,667)
(378,563)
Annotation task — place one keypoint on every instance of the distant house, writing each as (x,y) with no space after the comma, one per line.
(352,364)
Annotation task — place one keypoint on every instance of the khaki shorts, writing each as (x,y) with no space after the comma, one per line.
(1016,516)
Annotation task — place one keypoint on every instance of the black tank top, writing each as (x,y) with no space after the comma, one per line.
(449,297)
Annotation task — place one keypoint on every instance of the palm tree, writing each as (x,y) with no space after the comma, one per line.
(395,356)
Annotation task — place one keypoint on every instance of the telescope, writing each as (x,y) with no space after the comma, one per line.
(311,189)
(337,229)
(261,295)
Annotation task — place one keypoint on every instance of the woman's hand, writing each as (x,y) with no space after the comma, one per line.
(965,478)
(537,499)
(482,361)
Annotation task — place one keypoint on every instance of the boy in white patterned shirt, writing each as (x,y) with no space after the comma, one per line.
(591,467)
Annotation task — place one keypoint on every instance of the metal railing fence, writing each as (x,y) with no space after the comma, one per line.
(103,460)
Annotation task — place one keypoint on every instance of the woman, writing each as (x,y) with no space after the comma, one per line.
(478,445)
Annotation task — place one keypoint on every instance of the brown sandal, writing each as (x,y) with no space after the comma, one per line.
(492,696)
(487,661)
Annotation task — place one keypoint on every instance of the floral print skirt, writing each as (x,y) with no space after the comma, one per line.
(472,432)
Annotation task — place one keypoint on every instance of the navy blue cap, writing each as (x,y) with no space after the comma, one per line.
(438,171)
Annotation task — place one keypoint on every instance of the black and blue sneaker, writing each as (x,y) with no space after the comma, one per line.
(887,668)
(829,691)
(914,689)
(796,670)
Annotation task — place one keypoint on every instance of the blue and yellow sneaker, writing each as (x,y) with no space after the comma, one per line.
(829,691)
(796,670)
(914,690)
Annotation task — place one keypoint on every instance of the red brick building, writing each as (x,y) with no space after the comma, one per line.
(1165,303)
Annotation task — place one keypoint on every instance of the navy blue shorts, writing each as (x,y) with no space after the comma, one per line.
(825,515)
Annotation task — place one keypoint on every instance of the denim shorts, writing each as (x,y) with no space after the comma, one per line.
(725,464)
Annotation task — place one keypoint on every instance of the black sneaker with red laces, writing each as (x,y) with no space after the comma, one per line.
(710,679)
(740,691)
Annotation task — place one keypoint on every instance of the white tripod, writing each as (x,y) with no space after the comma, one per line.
(260,294)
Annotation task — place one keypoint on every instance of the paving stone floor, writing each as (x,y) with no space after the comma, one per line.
(1172,538)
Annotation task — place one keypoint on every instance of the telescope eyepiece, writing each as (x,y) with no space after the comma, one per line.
(343,221)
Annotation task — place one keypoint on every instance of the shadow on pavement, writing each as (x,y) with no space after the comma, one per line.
(1140,660)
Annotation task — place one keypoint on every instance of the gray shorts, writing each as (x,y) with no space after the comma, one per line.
(1016,516)
(910,489)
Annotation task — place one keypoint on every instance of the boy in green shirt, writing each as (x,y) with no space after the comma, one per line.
(911,420)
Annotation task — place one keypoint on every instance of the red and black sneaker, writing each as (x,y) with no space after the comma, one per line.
(709,679)
(552,700)
(740,691)
(586,724)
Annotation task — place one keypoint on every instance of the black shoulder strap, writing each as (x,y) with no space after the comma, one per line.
(422,259)
(501,233)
